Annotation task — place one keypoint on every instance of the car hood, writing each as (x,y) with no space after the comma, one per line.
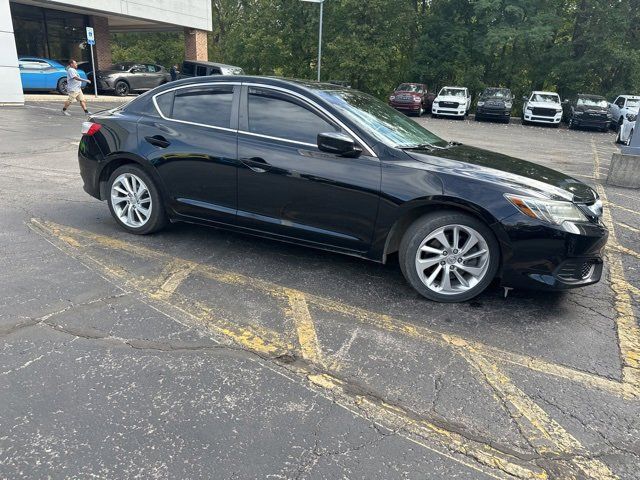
(514,173)
(493,99)
(544,105)
(451,98)
(585,108)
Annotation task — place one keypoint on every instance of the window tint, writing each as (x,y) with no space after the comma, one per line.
(188,68)
(215,71)
(620,102)
(206,105)
(278,115)
(165,103)
(201,71)
(152,68)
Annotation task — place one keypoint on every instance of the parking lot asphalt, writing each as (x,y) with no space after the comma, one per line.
(199,353)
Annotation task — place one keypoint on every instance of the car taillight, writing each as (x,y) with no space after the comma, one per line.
(90,128)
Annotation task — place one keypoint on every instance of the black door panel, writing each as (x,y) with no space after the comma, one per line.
(307,194)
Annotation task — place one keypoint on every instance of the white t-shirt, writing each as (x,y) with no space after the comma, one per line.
(73,85)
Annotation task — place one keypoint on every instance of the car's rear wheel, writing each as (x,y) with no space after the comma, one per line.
(134,201)
(61,87)
(121,88)
(449,256)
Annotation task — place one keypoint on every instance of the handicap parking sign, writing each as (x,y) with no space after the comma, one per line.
(90,38)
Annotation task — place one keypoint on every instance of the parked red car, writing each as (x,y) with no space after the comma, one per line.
(412,98)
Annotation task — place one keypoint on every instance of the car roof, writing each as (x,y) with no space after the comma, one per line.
(294,83)
(590,95)
(632,97)
(53,63)
(544,92)
(211,64)
(459,88)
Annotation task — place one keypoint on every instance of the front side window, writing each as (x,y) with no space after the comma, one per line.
(210,105)
(278,115)
(620,102)
(382,122)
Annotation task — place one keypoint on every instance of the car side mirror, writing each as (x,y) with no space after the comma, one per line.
(338,144)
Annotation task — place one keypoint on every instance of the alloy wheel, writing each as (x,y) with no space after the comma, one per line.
(131,200)
(452,259)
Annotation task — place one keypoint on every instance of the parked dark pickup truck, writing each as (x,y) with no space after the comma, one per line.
(494,103)
(412,98)
(588,111)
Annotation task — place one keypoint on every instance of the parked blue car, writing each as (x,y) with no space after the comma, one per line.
(44,74)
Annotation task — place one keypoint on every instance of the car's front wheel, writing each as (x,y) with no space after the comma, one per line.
(121,88)
(61,87)
(134,201)
(449,256)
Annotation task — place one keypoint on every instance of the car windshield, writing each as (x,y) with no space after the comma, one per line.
(545,97)
(452,92)
(121,67)
(592,102)
(633,103)
(408,87)
(384,123)
(497,92)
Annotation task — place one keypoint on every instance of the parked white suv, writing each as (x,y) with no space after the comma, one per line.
(542,107)
(623,106)
(453,101)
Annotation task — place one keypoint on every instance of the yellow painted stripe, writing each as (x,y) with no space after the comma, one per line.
(626,322)
(298,311)
(366,317)
(626,250)
(174,273)
(545,434)
(627,227)
(626,209)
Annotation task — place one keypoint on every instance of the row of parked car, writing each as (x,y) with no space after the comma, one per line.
(538,107)
(43,74)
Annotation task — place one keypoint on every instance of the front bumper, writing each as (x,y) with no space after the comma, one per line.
(530,117)
(541,256)
(498,113)
(406,107)
(582,121)
(454,112)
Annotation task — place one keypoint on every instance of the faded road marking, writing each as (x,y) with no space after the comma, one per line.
(174,273)
(627,227)
(298,311)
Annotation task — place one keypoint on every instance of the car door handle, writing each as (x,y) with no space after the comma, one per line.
(256,164)
(158,141)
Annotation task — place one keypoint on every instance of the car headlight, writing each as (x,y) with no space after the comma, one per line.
(480,104)
(508,104)
(435,102)
(631,116)
(554,212)
(529,108)
(558,109)
(417,99)
(392,97)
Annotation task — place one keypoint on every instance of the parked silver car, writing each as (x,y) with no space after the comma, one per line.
(124,78)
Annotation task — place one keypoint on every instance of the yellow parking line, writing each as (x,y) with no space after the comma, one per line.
(626,322)
(546,435)
(615,205)
(174,273)
(298,311)
(637,197)
(490,460)
(377,320)
(627,227)
(626,250)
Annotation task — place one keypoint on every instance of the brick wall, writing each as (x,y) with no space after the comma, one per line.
(102,48)
(195,44)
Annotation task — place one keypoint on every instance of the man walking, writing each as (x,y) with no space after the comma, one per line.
(74,88)
(174,73)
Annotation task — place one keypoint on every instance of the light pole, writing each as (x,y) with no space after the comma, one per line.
(321,2)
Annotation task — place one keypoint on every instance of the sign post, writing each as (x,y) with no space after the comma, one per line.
(92,41)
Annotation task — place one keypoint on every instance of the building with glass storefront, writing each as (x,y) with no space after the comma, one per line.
(57,31)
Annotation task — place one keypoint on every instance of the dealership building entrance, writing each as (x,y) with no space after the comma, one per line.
(57,31)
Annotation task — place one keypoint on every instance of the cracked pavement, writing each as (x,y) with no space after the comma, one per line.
(198,353)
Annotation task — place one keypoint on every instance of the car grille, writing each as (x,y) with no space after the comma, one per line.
(544,112)
(449,104)
(576,270)
(404,98)
(595,115)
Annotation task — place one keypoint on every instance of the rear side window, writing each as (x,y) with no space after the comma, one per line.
(209,105)
(201,71)
(188,68)
(279,115)
(165,104)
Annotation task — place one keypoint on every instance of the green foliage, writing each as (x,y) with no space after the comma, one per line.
(571,46)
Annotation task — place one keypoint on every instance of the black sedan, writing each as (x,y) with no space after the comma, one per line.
(334,168)
(125,78)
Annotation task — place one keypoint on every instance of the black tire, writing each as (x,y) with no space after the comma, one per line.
(556,125)
(418,232)
(434,115)
(524,122)
(61,87)
(121,88)
(477,117)
(158,218)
